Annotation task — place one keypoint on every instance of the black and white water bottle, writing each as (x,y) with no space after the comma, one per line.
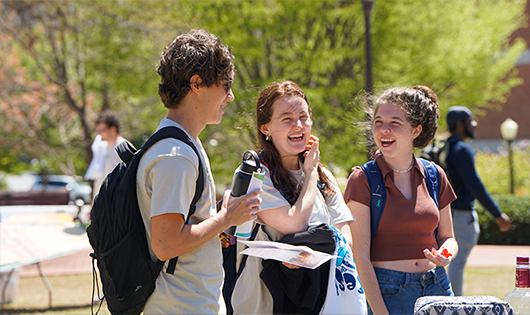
(243,175)
(249,165)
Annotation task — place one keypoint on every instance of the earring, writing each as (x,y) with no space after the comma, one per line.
(268,137)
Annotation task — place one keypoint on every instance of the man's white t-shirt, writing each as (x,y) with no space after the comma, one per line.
(111,156)
(104,161)
(166,182)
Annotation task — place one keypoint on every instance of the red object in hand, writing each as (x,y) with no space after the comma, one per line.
(446,253)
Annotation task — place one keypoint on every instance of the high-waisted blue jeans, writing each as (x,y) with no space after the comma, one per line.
(400,290)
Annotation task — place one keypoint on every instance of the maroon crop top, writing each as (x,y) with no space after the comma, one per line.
(406,227)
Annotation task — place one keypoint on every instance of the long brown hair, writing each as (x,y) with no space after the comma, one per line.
(282,178)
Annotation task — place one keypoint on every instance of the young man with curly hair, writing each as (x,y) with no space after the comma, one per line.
(196,73)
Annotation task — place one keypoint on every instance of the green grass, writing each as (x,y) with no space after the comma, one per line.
(71,294)
(494,281)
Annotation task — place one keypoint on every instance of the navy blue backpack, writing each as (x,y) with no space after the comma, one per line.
(377,187)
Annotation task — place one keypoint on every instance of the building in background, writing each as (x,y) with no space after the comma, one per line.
(517,104)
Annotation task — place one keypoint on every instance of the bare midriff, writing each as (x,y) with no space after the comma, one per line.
(408,265)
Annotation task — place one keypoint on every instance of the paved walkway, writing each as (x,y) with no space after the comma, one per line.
(79,263)
(496,255)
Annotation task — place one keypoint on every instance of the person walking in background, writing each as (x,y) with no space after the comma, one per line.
(404,260)
(468,187)
(105,157)
(196,72)
(291,204)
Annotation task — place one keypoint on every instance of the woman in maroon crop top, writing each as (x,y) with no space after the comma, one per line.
(407,257)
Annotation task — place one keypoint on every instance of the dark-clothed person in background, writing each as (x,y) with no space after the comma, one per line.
(468,187)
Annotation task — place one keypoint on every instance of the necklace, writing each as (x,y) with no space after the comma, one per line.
(408,169)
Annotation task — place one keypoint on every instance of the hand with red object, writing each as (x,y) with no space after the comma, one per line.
(439,257)
(446,253)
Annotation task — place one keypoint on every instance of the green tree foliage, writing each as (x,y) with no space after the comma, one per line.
(516,207)
(317,44)
(67,61)
(494,169)
(461,49)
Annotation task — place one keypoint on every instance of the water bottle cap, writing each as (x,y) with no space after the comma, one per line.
(522,260)
(250,162)
(248,166)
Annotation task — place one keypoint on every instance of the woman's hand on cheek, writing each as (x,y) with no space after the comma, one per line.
(312,154)
(310,142)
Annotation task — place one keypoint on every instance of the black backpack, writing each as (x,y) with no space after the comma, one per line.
(117,232)
(437,151)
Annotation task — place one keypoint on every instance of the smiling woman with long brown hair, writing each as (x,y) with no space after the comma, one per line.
(298,194)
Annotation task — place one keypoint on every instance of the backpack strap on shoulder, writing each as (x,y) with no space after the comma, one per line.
(177,133)
(230,277)
(125,151)
(378,194)
(432,179)
(243,262)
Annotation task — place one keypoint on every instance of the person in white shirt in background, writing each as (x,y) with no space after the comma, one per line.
(105,157)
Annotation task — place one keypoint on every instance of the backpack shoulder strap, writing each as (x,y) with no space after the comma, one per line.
(243,262)
(177,133)
(231,278)
(443,155)
(378,194)
(125,151)
(432,179)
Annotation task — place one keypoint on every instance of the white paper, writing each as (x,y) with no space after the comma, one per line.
(302,256)
(256,181)
(244,230)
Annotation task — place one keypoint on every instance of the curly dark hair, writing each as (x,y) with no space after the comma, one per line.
(268,151)
(197,52)
(420,105)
